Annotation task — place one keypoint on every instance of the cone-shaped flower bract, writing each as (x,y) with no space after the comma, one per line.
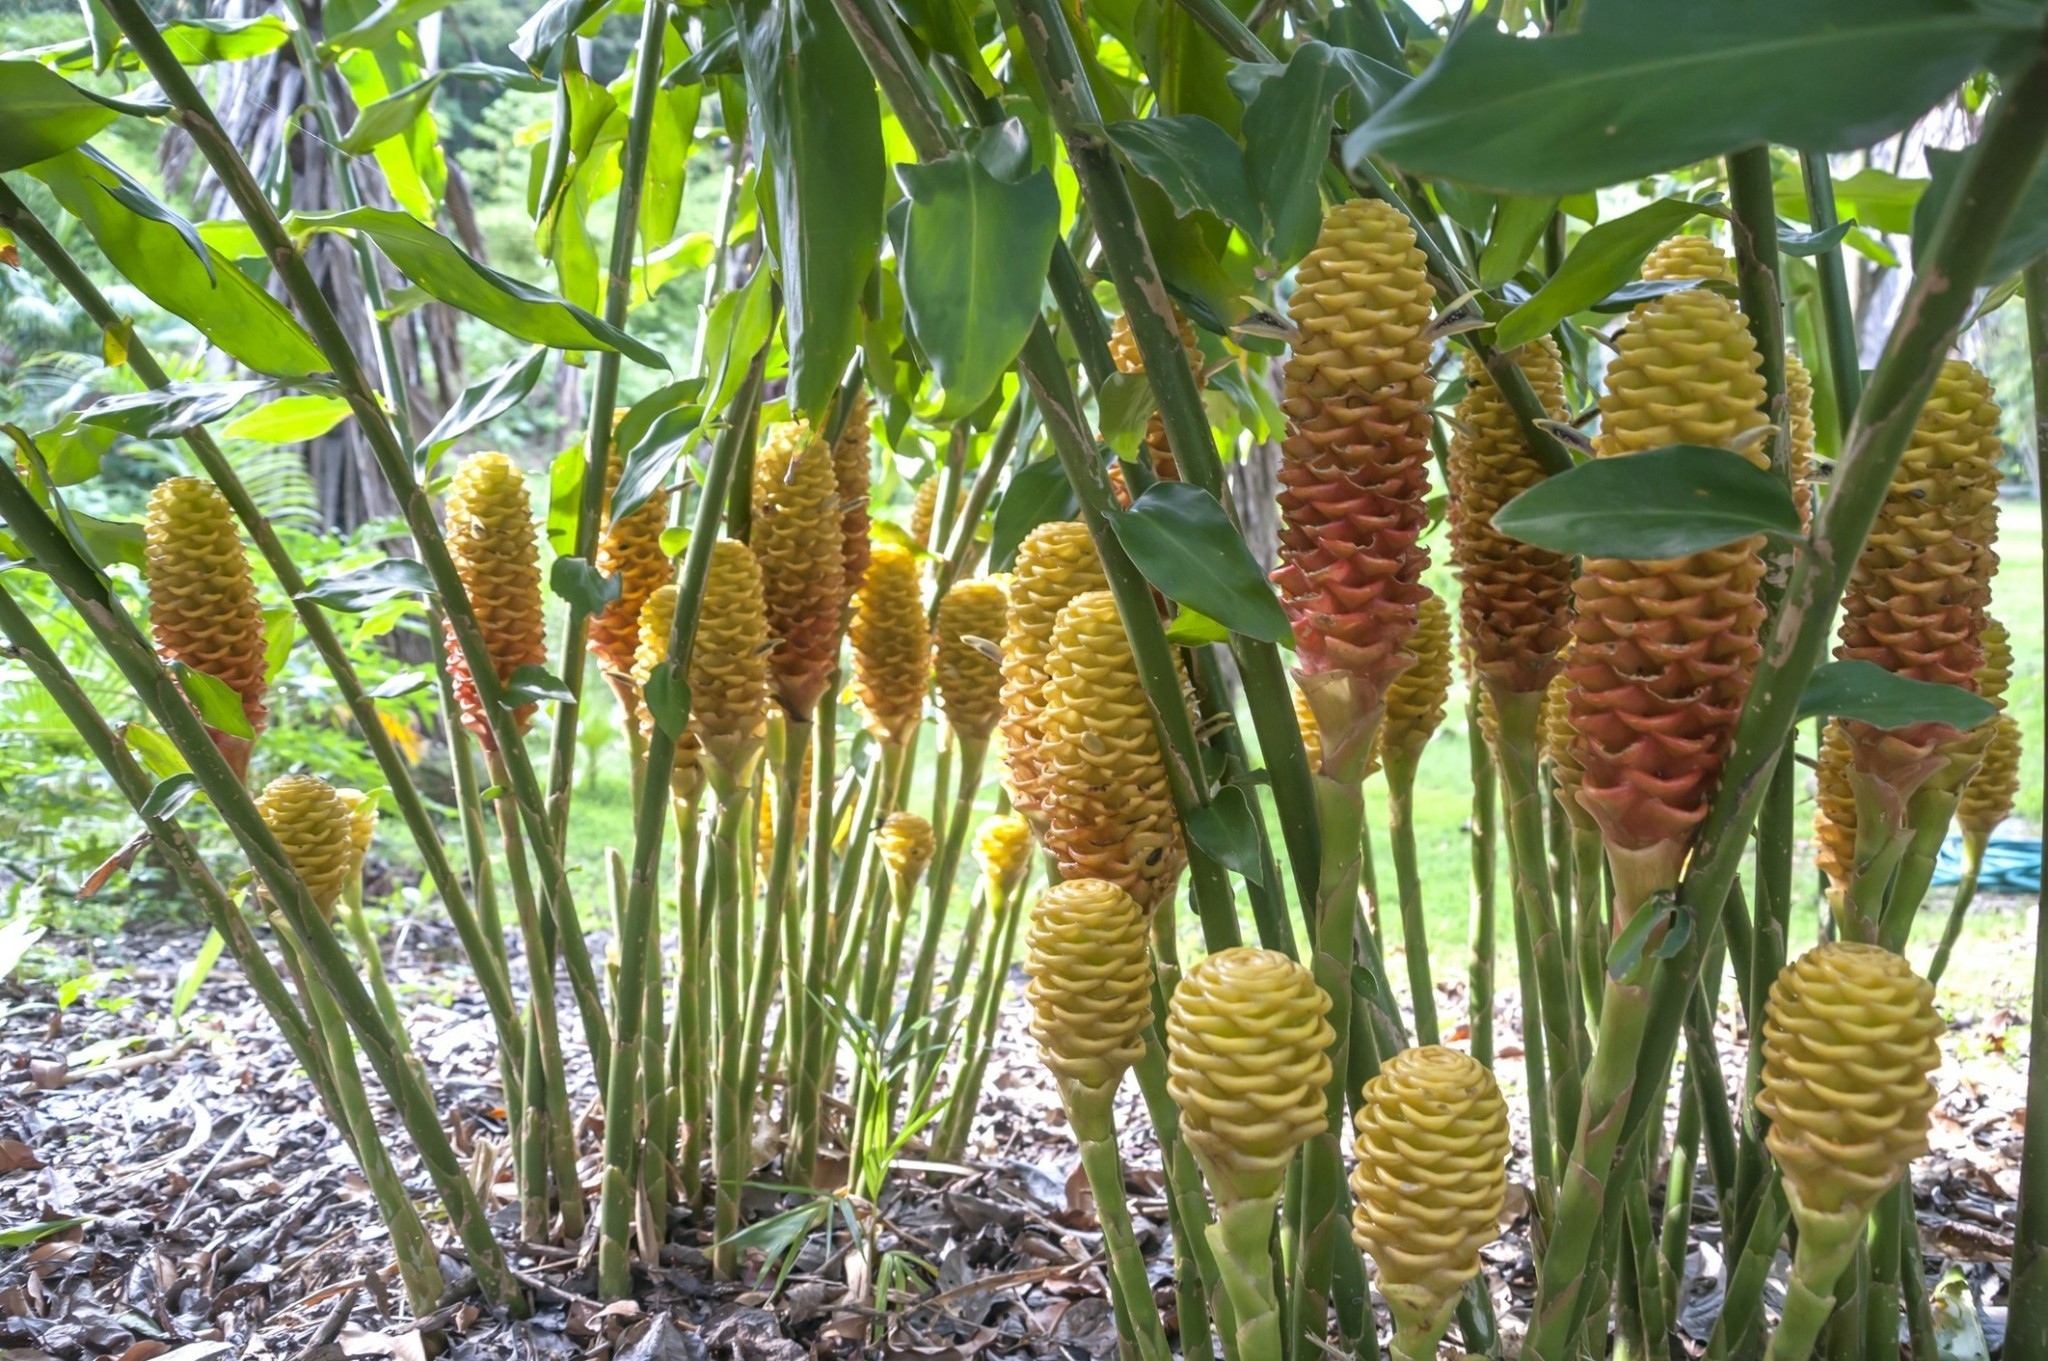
(1128,358)
(1559,749)
(924,508)
(905,841)
(1915,602)
(797,541)
(1055,563)
(657,620)
(1087,953)
(629,548)
(1415,700)
(1431,1173)
(1664,651)
(1516,602)
(1799,402)
(203,609)
(1354,468)
(1987,798)
(1834,810)
(496,552)
(313,825)
(728,667)
(1688,257)
(1849,1043)
(892,649)
(853,472)
(362,826)
(969,672)
(1247,1060)
(1108,806)
(1004,846)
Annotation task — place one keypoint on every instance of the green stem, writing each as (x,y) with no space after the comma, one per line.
(1749,1269)
(1092,1113)
(939,890)
(806,1102)
(604,393)
(1975,840)
(732,1123)
(1195,1280)
(1479,967)
(777,905)
(1242,1239)
(90,594)
(1817,1264)
(1408,875)
(1882,1302)
(1929,815)
(1589,888)
(688,1069)
(351,914)
(1838,319)
(961,546)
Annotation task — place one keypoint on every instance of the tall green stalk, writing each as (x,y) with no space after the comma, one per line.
(1408,877)
(1974,844)
(1479,965)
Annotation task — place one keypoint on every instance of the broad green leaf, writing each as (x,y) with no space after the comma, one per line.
(447,272)
(402,683)
(280,631)
(18,935)
(1228,832)
(1864,690)
(1183,541)
(73,450)
(582,585)
(415,168)
(192,976)
(1037,493)
(159,756)
(394,114)
(46,115)
(1629,294)
(381,25)
(202,42)
(2026,234)
(225,305)
(1792,241)
(1876,198)
(690,253)
(1659,504)
(667,695)
(1639,88)
(819,119)
(1605,258)
(640,417)
(541,37)
(356,591)
(734,333)
(167,412)
(1518,224)
(480,403)
(1194,162)
(1192,628)
(218,705)
(28,1235)
(170,795)
(648,465)
(1286,138)
(973,270)
(289,420)
(533,684)
(565,498)
(1122,409)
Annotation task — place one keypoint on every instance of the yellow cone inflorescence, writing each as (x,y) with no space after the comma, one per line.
(629,548)
(1004,846)
(1834,811)
(905,841)
(853,472)
(1688,257)
(1055,563)
(924,508)
(1515,607)
(492,540)
(1124,352)
(1246,1054)
(1664,651)
(1354,467)
(1555,728)
(1850,1041)
(1987,798)
(729,667)
(967,666)
(1087,953)
(362,826)
(1108,807)
(1430,1179)
(1799,401)
(892,649)
(1415,700)
(657,618)
(1915,601)
(314,826)
(203,609)
(797,541)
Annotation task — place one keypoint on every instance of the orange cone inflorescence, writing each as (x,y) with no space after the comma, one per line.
(796,539)
(496,551)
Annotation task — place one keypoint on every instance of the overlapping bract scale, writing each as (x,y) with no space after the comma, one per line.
(203,609)
(1091,980)
(1415,699)
(1124,352)
(1987,798)
(906,844)
(853,472)
(1004,846)
(630,548)
(496,551)
(797,541)
(1055,562)
(972,617)
(892,648)
(315,829)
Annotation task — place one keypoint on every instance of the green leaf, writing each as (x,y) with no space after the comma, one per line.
(365,587)
(1286,138)
(2026,234)
(532,684)
(1036,494)
(18,934)
(1625,956)
(1518,224)
(1195,162)
(1123,408)
(667,695)
(582,585)
(225,305)
(1656,505)
(973,269)
(1876,198)
(381,25)
(1625,298)
(289,420)
(202,42)
(1228,832)
(280,631)
(1182,540)
(159,756)
(1192,628)
(542,35)
(565,498)
(1792,241)
(28,1235)
(450,274)
(394,114)
(402,683)
(480,403)
(170,795)
(1605,258)
(192,976)
(818,115)
(734,333)
(167,412)
(648,465)
(1640,88)
(46,115)
(219,706)
(1866,691)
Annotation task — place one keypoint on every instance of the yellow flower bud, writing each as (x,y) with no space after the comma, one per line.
(905,841)
(1004,846)
(1415,698)
(797,541)
(629,548)
(313,825)
(1091,981)
(203,609)
(1055,563)
(924,508)
(970,676)
(853,472)
(496,552)
(892,649)
(362,826)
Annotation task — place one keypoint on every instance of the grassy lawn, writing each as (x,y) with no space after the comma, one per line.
(603,815)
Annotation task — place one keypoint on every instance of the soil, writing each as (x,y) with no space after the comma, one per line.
(214,1212)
